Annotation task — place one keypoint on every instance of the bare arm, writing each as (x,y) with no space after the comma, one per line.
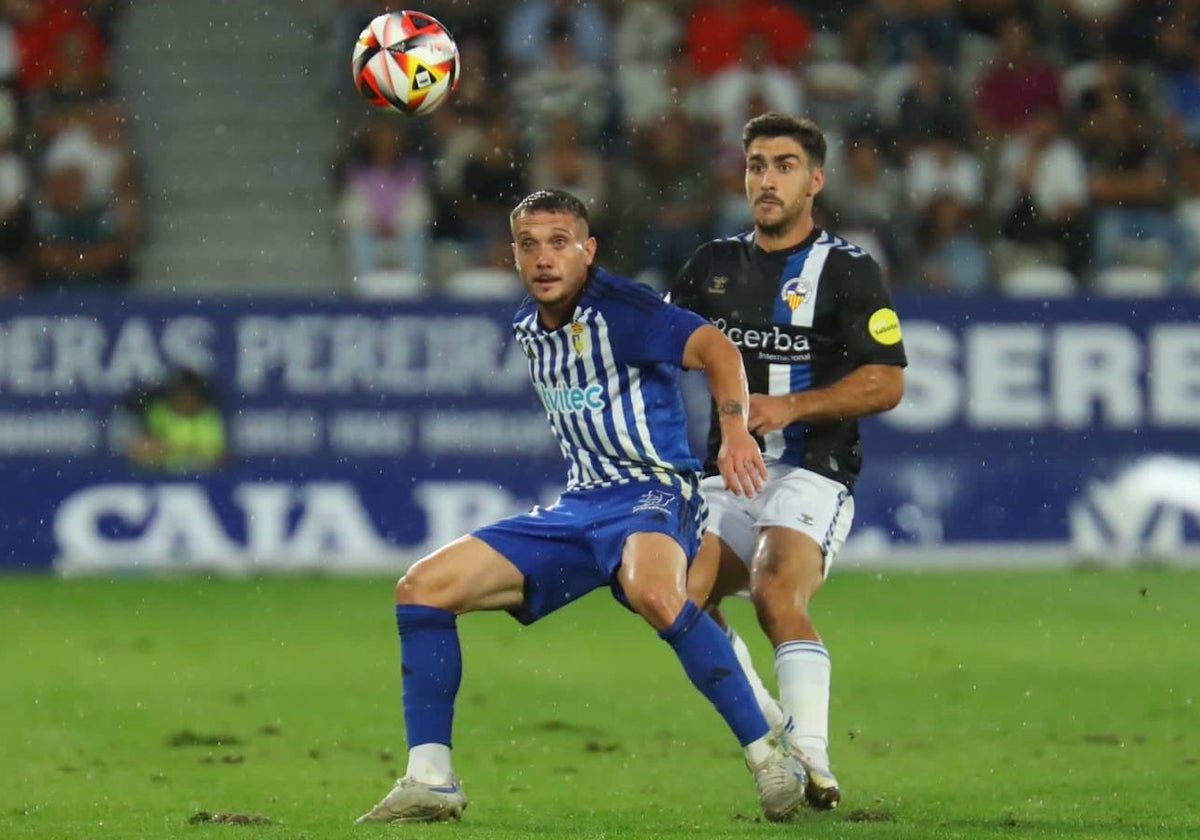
(739,460)
(869,389)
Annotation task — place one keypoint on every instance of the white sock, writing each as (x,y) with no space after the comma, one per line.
(758,751)
(770,708)
(802,668)
(430,763)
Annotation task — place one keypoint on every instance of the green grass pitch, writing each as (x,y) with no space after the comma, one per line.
(1047,704)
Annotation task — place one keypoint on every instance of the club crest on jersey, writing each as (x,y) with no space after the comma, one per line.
(653,501)
(578,337)
(795,292)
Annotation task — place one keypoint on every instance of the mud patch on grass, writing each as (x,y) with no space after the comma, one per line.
(870,815)
(191,738)
(228,818)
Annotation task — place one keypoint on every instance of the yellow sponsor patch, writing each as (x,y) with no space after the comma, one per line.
(884,326)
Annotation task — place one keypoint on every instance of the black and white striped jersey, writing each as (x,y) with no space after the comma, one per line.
(803,318)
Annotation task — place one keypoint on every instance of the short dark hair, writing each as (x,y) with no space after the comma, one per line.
(550,201)
(801,129)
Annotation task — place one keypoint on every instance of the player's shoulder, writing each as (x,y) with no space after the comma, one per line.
(839,247)
(607,289)
(728,246)
(847,259)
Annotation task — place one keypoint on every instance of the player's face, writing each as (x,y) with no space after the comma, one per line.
(553,252)
(780,185)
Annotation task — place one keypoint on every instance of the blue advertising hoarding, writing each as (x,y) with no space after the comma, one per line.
(362,435)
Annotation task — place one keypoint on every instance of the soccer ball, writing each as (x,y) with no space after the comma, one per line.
(405,61)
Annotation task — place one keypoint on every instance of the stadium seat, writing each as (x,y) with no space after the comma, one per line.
(890,85)
(389,284)
(1131,281)
(1038,281)
(1076,80)
(484,284)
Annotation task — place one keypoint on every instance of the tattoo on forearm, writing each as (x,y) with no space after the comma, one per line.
(732,407)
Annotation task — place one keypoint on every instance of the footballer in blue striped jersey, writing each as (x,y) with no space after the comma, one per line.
(605,356)
(821,344)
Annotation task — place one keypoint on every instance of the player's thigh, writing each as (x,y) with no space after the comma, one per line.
(652,576)
(716,572)
(788,566)
(463,576)
(798,500)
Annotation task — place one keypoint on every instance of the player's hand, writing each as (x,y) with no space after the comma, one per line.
(741,463)
(767,413)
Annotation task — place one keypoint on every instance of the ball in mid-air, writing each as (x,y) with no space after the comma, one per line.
(406,62)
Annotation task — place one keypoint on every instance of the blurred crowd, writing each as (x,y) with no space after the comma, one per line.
(70,199)
(1026,146)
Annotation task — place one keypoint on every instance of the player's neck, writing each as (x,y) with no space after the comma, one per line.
(785,239)
(553,316)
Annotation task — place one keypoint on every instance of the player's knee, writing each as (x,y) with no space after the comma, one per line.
(659,607)
(417,586)
(774,597)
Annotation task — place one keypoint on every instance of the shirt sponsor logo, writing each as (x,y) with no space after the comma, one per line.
(884,326)
(775,338)
(564,400)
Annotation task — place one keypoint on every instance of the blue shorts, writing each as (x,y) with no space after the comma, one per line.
(574,546)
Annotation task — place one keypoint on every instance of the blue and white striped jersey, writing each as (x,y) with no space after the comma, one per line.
(609,380)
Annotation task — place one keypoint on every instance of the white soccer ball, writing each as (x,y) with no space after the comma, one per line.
(406,62)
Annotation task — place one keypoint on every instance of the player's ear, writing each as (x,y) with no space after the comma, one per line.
(589,250)
(818,181)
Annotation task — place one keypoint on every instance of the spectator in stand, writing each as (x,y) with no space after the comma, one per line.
(753,86)
(985,17)
(1189,202)
(931,100)
(494,180)
(38,26)
(943,166)
(1041,199)
(385,203)
(80,241)
(565,163)
(1130,190)
(669,196)
(528,37)
(1019,83)
(74,85)
(178,427)
(907,26)
(14,199)
(648,34)
(717,31)
(866,200)
(1181,97)
(1089,29)
(562,86)
(1170,29)
(951,257)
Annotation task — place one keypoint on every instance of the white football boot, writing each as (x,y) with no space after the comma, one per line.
(413,801)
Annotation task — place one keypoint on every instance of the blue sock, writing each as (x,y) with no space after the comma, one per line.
(712,666)
(430,669)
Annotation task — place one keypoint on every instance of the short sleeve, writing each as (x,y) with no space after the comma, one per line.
(869,322)
(647,329)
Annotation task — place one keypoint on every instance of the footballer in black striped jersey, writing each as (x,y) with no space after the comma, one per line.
(821,344)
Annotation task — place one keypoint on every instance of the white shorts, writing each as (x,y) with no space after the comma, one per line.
(793,497)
